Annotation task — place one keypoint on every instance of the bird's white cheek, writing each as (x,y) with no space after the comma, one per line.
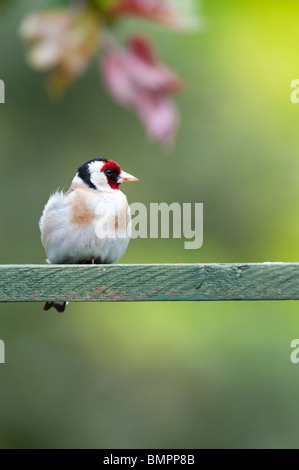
(99,180)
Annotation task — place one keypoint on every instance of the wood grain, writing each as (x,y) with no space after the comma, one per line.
(149,282)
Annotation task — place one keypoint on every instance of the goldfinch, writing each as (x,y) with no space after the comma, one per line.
(89,223)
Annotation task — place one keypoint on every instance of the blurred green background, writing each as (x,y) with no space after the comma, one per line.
(160,375)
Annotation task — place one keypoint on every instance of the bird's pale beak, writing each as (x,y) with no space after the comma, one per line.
(126,177)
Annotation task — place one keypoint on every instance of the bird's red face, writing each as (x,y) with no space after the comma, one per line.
(112,171)
(115,176)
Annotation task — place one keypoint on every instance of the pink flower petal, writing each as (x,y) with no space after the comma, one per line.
(157,10)
(159,116)
(135,79)
(61,39)
(117,79)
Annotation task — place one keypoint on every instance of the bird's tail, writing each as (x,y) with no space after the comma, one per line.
(60,306)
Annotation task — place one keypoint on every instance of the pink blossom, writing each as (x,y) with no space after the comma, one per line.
(63,40)
(176,14)
(135,79)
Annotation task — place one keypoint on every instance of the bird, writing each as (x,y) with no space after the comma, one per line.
(90,223)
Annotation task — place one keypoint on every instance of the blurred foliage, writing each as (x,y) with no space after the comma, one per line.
(172,375)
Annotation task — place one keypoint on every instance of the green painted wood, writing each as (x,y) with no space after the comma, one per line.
(148,282)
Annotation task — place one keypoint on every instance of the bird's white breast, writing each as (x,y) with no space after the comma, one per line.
(85,223)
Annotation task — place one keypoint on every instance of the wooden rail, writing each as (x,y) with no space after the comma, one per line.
(148,282)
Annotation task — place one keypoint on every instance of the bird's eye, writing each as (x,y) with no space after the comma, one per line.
(108,172)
